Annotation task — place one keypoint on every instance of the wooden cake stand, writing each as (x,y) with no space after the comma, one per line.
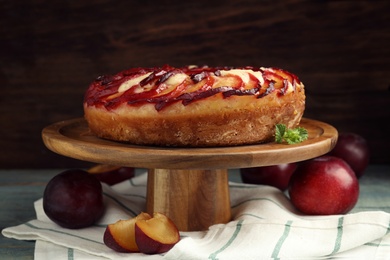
(189,185)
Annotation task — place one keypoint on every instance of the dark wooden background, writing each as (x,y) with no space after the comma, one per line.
(51,50)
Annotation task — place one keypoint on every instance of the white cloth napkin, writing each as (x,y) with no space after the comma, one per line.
(265,226)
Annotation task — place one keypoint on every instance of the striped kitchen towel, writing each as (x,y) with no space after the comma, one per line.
(264,226)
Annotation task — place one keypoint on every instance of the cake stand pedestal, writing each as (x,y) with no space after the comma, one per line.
(189,185)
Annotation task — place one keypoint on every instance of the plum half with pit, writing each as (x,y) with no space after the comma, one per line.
(73,199)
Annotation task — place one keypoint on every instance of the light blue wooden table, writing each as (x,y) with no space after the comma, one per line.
(20,188)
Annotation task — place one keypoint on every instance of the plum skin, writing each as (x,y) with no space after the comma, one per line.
(148,245)
(275,175)
(354,150)
(115,175)
(325,185)
(73,199)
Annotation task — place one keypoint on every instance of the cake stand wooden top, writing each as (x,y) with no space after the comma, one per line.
(72,138)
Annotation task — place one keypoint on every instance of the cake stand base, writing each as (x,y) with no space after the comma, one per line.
(189,185)
(193,199)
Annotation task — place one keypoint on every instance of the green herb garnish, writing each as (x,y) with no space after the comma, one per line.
(290,136)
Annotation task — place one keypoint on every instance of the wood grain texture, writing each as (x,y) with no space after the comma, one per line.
(193,199)
(51,51)
(189,185)
(72,138)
